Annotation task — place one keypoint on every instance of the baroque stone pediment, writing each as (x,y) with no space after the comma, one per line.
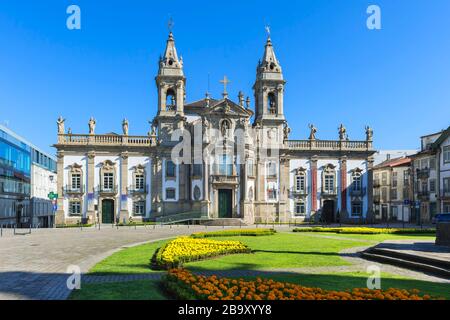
(228,107)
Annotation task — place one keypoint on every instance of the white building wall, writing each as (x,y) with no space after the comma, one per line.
(132,163)
(68,161)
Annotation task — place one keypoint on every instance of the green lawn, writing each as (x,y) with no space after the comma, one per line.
(128,261)
(283,250)
(133,290)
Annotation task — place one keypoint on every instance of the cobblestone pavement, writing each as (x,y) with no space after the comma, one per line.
(34,266)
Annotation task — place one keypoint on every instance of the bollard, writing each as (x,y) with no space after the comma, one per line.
(1,230)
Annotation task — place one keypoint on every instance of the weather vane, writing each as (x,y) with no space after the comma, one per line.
(268,30)
(170,24)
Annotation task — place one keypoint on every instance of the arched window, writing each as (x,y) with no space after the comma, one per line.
(170,100)
(356,181)
(272,104)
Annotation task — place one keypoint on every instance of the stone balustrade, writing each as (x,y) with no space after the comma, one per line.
(106,140)
(328,145)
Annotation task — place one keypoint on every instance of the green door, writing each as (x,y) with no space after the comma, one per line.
(108,211)
(225,199)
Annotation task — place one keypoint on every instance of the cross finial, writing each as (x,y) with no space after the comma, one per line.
(225,82)
(170,24)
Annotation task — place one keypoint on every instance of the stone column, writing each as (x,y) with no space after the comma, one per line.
(123,200)
(313,185)
(156,192)
(90,187)
(369,215)
(343,188)
(60,216)
(280,99)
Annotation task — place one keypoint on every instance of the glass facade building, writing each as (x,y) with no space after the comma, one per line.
(17,158)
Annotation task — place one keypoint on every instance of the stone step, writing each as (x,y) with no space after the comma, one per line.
(413,265)
(411,257)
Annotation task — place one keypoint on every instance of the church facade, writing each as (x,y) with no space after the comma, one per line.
(213,159)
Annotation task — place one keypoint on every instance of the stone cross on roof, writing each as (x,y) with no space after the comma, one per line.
(225,82)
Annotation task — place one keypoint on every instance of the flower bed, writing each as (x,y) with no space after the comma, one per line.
(231,233)
(187,286)
(364,230)
(186,249)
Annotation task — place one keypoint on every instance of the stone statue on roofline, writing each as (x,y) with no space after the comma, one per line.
(312,135)
(369,133)
(125,127)
(92,125)
(60,123)
(342,132)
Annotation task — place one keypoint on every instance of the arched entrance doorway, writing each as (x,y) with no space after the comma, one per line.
(107,211)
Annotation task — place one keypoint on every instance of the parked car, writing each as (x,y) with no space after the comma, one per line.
(441,217)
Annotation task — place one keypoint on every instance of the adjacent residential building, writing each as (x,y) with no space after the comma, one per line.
(27,176)
(242,164)
(425,175)
(442,147)
(392,190)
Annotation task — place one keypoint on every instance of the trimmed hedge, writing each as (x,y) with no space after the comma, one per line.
(62,226)
(364,230)
(233,233)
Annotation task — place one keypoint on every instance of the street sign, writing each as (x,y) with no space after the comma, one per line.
(406,202)
(52,195)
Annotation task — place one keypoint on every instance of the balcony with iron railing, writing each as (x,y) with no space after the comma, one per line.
(303,192)
(70,189)
(108,190)
(423,173)
(376,198)
(423,195)
(329,192)
(142,189)
(358,192)
(329,145)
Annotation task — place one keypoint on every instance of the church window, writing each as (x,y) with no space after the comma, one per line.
(139,181)
(329,183)
(300,183)
(139,208)
(170,194)
(226,166)
(75,207)
(271,169)
(170,169)
(108,181)
(356,209)
(300,209)
(76,181)
(356,181)
(272,193)
(197,170)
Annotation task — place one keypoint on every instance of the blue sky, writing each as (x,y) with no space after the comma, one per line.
(396,79)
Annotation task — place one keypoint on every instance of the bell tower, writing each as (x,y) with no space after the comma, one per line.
(170,81)
(269,87)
